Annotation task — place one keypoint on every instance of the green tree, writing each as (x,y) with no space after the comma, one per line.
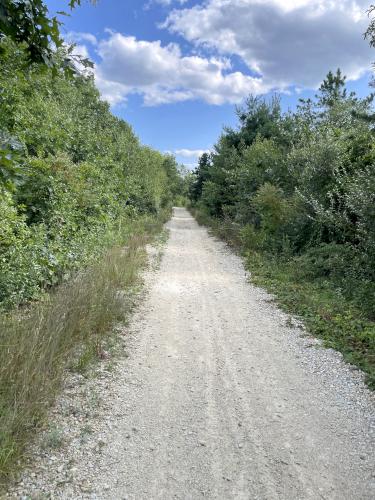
(370,32)
(70,172)
(29,23)
(332,89)
(201,175)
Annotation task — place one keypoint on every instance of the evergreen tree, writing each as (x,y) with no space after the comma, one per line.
(332,89)
(202,175)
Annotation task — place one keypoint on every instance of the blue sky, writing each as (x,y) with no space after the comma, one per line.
(175,69)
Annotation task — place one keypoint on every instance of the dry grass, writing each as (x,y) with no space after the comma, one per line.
(66,329)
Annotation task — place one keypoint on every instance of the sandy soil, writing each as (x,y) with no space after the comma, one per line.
(221,397)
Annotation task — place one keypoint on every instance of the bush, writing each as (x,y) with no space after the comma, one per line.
(326,261)
(299,189)
(69,172)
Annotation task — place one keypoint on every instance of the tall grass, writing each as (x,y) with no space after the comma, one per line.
(65,329)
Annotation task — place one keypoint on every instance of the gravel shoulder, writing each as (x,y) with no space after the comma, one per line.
(218,394)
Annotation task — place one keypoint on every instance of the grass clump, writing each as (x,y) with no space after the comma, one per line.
(68,328)
(53,440)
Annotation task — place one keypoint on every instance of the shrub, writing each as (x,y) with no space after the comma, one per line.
(69,172)
(299,188)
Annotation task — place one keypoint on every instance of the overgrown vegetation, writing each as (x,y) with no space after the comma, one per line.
(69,328)
(79,198)
(69,170)
(296,191)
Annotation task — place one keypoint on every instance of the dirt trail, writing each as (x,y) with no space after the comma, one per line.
(220,399)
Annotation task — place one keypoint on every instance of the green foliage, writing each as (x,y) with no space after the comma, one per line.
(68,329)
(201,176)
(29,24)
(10,152)
(69,172)
(370,32)
(257,118)
(271,203)
(325,310)
(299,190)
(332,90)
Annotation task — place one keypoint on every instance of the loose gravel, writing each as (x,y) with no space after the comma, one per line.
(217,394)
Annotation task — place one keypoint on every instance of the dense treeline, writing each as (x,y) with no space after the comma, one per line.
(298,188)
(69,172)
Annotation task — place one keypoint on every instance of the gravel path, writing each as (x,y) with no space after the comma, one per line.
(219,398)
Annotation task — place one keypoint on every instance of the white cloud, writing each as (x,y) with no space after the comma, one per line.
(169,2)
(164,3)
(190,153)
(112,92)
(81,50)
(161,74)
(285,42)
(77,37)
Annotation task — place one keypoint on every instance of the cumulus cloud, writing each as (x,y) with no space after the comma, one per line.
(161,74)
(190,153)
(164,3)
(79,37)
(285,42)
